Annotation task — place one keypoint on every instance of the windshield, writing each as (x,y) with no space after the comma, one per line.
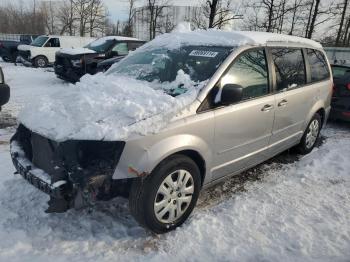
(101,45)
(39,41)
(163,65)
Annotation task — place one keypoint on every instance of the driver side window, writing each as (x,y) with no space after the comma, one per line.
(53,42)
(250,72)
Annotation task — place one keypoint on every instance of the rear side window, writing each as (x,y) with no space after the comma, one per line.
(289,68)
(121,48)
(318,65)
(134,45)
(250,72)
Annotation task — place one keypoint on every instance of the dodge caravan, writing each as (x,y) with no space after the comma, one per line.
(181,113)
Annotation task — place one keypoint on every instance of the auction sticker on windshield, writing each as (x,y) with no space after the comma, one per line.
(203,53)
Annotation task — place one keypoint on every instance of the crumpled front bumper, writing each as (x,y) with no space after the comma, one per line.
(67,73)
(35,176)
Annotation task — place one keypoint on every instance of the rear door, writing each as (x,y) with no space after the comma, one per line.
(294,98)
(243,129)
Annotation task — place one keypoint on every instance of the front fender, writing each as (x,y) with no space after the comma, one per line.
(138,161)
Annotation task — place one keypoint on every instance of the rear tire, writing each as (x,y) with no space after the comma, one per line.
(6,59)
(311,135)
(165,198)
(41,62)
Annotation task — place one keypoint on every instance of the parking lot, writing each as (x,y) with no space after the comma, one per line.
(290,208)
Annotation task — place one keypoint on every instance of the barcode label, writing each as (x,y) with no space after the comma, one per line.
(203,53)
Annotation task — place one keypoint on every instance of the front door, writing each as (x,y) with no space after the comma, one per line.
(243,129)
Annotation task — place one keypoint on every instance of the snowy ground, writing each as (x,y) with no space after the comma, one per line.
(288,209)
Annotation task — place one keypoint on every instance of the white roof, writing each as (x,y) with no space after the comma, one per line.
(70,36)
(227,38)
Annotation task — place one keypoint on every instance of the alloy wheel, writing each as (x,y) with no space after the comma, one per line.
(174,196)
(312,133)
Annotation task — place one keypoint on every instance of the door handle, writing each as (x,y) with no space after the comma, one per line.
(267,108)
(283,103)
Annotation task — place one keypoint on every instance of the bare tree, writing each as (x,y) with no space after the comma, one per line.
(66,17)
(155,9)
(21,18)
(340,29)
(97,17)
(128,30)
(49,12)
(214,14)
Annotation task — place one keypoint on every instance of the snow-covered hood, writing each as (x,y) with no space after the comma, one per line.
(106,107)
(24,47)
(77,51)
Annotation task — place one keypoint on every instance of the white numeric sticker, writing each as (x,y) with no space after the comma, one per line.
(203,53)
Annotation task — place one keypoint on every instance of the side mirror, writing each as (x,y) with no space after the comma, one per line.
(231,93)
(2,79)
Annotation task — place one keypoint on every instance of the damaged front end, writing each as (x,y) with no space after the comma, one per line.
(74,173)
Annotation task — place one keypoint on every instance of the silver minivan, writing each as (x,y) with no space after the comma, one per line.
(244,97)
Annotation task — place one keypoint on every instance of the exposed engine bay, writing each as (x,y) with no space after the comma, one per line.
(74,173)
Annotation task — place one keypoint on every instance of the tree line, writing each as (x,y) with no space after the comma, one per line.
(69,17)
(328,21)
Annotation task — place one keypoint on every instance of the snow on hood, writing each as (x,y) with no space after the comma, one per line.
(24,47)
(77,51)
(107,107)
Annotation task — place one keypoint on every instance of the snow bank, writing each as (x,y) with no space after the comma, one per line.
(76,51)
(222,38)
(295,212)
(107,107)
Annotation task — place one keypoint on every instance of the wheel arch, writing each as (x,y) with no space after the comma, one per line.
(40,55)
(193,155)
(317,108)
(143,161)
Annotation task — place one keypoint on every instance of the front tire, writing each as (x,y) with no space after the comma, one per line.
(41,61)
(164,199)
(311,135)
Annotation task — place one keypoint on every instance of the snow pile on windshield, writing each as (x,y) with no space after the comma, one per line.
(77,51)
(108,107)
(214,37)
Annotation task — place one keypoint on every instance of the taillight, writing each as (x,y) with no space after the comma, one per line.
(348,86)
(334,88)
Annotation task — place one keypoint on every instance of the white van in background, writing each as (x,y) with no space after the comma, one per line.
(41,52)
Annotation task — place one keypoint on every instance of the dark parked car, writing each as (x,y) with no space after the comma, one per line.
(4,90)
(341,93)
(72,64)
(8,46)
